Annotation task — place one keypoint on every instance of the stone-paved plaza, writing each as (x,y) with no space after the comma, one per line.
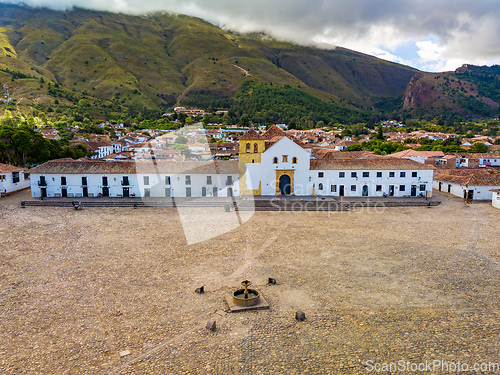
(412,284)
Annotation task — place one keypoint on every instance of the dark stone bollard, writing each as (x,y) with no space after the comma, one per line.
(300,315)
(200,290)
(211,325)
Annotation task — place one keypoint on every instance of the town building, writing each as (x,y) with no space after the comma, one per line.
(420,156)
(269,164)
(90,178)
(12,179)
(99,149)
(473,184)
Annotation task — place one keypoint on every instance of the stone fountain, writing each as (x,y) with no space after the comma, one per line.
(246,299)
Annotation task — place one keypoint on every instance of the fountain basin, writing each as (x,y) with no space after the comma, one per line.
(241,298)
(246,299)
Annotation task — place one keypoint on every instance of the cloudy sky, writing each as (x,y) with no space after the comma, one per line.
(433,35)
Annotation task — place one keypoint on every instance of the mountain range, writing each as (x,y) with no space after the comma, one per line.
(163,60)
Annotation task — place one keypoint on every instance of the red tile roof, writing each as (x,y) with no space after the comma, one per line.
(251,135)
(7,168)
(328,153)
(369,164)
(415,153)
(275,139)
(64,166)
(471,177)
(272,132)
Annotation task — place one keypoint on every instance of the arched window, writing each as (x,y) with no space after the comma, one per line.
(248,148)
(255,148)
(320,187)
(294,160)
(275,160)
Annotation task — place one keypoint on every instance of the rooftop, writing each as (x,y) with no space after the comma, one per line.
(415,153)
(7,168)
(65,166)
(251,134)
(369,164)
(472,177)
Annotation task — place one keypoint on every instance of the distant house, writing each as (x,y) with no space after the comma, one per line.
(100,149)
(471,160)
(12,179)
(49,133)
(55,137)
(342,145)
(419,156)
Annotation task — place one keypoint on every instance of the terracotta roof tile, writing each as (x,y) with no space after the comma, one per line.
(276,138)
(471,177)
(415,153)
(272,132)
(251,134)
(130,167)
(7,168)
(369,164)
(328,153)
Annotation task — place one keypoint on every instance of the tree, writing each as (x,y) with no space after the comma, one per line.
(380,133)
(354,148)
(244,120)
(345,133)
(183,148)
(479,148)
(181,140)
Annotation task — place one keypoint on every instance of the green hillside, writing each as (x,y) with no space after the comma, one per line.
(160,60)
(470,90)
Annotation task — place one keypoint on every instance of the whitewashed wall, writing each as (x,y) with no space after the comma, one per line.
(480,192)
(157,185)
(331,177)
(8,186)
(495,200)
(267,171)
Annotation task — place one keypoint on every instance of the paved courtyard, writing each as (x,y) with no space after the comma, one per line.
(412,284)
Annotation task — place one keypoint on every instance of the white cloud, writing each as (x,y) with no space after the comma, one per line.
(448,32)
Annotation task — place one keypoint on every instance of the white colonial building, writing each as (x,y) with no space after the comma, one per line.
(269,164)
(153,178)
(476,184)
(12,179)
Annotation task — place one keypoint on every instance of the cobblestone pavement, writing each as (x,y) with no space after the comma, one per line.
(412,283)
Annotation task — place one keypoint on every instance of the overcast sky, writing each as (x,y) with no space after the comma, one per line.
(430,35)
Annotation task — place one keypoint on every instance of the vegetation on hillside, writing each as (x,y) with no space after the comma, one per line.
(160,60)
(86,67)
